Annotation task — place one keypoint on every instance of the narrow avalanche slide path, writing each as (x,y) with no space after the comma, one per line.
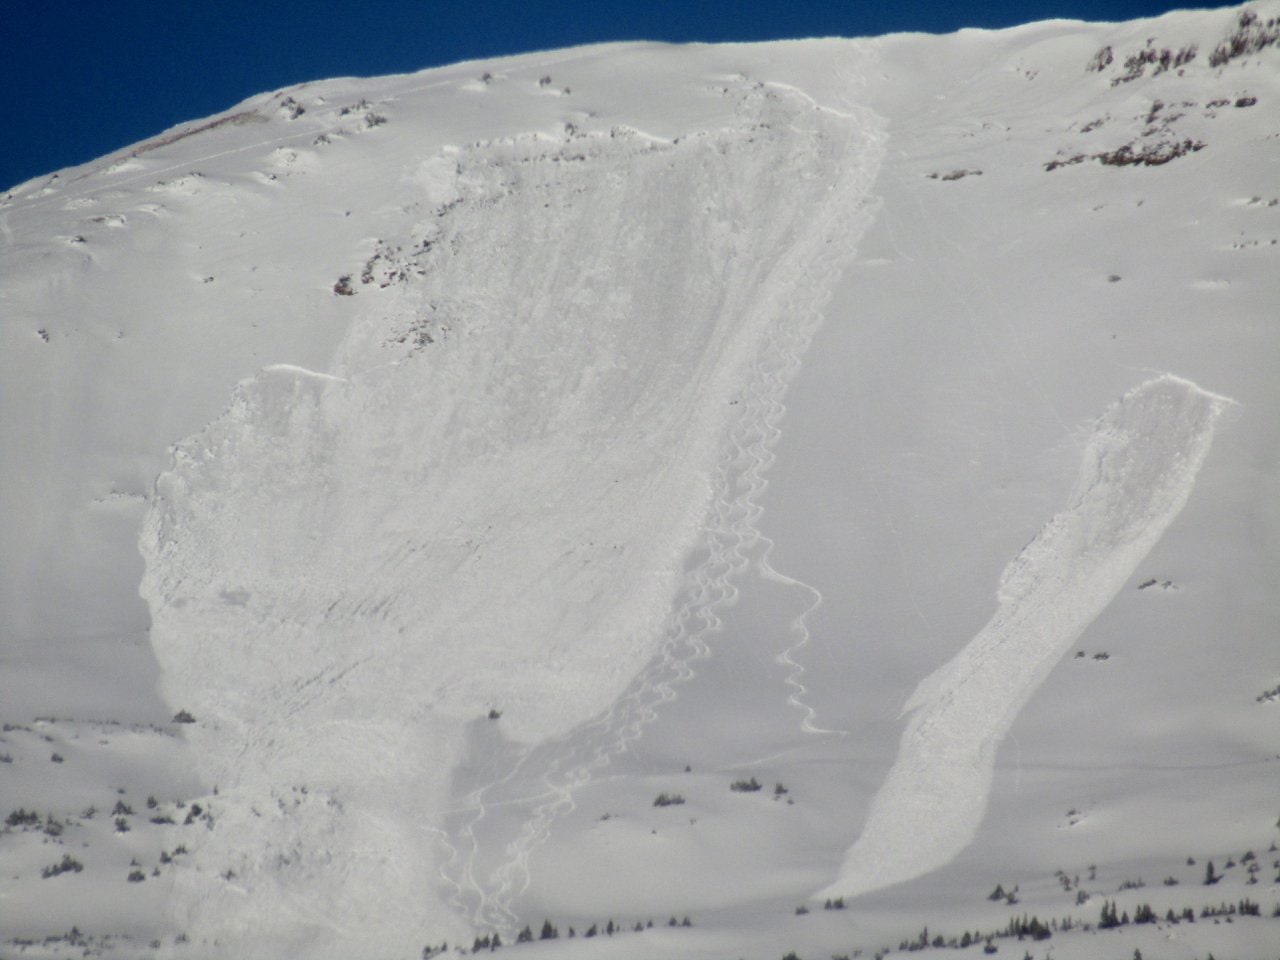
(487,502)
(1139,467)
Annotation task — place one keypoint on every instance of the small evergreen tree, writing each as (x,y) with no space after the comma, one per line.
(1109,917)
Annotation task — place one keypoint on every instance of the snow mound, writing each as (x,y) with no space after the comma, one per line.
(1138,469)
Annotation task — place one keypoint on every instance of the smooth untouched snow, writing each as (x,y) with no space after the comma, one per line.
(1139,467)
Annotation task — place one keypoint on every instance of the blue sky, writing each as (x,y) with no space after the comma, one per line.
(85,77)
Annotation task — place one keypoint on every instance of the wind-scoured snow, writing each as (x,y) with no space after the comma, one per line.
(488,501)
(1139,467)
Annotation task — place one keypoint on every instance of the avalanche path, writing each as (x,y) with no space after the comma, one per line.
(1138,469)
(489,863)
(487,503)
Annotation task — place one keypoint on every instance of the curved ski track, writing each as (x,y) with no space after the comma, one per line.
(730,538)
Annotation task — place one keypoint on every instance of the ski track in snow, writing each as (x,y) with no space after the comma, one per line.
(548,776)
(488,502)
(1138,470)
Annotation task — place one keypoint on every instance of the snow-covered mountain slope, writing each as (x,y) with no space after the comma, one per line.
(462,390)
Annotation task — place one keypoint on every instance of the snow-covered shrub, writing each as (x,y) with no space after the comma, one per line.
(1251,36)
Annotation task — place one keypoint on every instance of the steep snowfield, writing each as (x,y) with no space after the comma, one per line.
(537,437)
